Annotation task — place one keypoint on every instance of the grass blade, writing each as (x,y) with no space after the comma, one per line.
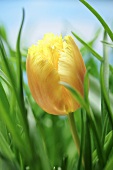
(17,88)
(88,155)
(5,116)
(105,64)
(82,140)
(92,41)
(19,63)
(5,78)
(90,115)
(107,43)
(88,47)
(20,78)
(105,94)
(108,144)
(106,27)
(5,148)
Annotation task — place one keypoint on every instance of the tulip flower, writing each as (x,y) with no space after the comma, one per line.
(51,60)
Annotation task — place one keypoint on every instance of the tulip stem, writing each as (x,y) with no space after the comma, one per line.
(74,131)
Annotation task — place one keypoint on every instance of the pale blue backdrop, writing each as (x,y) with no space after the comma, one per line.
(57,16)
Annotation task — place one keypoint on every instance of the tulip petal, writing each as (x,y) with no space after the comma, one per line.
(50,61)
(44,84)
(71,67)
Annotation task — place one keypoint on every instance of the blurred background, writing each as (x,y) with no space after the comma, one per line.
(59,17)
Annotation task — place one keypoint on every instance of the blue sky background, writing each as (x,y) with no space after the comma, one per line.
(60,16)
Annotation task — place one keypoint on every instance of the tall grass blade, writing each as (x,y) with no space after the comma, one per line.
(82,141)
(88,47)
(88,152)
(5,78)
(6,117)
(107,43)
(20,79)
(5,148)
(97,15)
(106,98)
(85,105)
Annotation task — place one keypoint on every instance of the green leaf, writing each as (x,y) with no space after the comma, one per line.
(86,85)
(88,47)
(75,93)
(82,140)
(107,43)
(105,75)
(87,149)
(64,163)
(109,165)
(106,27)
(4,36)
(5,148)
(111,68)
(108,145)
(19,62)
(88,153)
(3,33)
(105,94)
(74,131)
(20,97)
(105,64)
(5,78)
(8,69)
(6,117)
(90,115)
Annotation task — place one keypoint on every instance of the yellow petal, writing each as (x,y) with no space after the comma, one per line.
(71,67)
(50,61)
(41,78)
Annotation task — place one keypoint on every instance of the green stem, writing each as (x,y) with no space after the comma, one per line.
(105,94)
(105,75)
(82,141)
(74,131)
(106,64)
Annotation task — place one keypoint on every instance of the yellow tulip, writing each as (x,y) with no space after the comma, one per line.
(51,60)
